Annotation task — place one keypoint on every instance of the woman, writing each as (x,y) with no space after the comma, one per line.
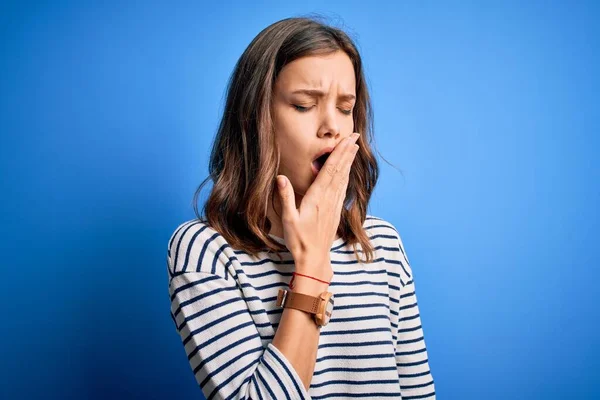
(268,288)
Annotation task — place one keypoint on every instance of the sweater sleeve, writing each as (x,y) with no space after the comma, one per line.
(223,345)
(416,380)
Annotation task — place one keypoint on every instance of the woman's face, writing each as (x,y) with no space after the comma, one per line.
(307,123)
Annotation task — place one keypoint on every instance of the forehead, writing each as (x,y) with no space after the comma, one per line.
(319,72)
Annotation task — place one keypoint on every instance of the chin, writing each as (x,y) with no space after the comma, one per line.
(301,187)
(300,191)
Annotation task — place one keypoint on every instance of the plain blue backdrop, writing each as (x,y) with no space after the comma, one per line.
(489,112)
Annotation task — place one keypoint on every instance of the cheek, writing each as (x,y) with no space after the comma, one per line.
(294,124)
(293,148)
(293,155)
(292,133)
(348,125)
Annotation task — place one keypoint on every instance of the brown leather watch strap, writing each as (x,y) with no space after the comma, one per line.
(299,301)
(320,307)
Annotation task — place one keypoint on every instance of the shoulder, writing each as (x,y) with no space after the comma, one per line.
(196,247)
(379,228)
(386,237)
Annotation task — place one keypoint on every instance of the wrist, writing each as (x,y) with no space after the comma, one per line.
(308,286)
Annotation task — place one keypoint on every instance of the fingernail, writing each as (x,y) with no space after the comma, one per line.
(281,182)
(355,135)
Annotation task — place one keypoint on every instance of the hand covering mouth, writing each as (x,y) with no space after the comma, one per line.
(320,160)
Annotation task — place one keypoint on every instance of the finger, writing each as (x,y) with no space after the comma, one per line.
(323,188)
(349,157)
(344,177)
(339,180)
(334,164)
(288,200)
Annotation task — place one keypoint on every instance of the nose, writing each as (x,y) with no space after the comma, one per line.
(329,124)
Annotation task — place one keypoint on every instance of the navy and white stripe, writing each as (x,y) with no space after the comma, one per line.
(223,304)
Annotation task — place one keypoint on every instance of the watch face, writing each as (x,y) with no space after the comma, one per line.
(328,310)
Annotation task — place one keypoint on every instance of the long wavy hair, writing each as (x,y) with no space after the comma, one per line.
(244,160)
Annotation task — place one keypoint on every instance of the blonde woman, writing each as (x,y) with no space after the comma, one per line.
(285,288)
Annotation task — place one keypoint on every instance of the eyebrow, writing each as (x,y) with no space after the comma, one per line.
(319,93)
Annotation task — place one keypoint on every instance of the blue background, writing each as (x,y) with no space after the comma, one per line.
(488,112)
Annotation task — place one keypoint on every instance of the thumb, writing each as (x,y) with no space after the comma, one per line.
(286,193)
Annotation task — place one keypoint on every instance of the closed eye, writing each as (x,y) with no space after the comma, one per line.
(303,109)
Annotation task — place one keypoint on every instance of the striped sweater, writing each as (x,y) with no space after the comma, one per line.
(223,304)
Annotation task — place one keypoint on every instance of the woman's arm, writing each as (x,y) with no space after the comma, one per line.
(297,336)
(223,345)
(221,340)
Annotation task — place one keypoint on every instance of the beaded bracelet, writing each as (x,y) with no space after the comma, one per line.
(296,273)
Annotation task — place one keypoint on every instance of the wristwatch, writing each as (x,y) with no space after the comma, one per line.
(321,307)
